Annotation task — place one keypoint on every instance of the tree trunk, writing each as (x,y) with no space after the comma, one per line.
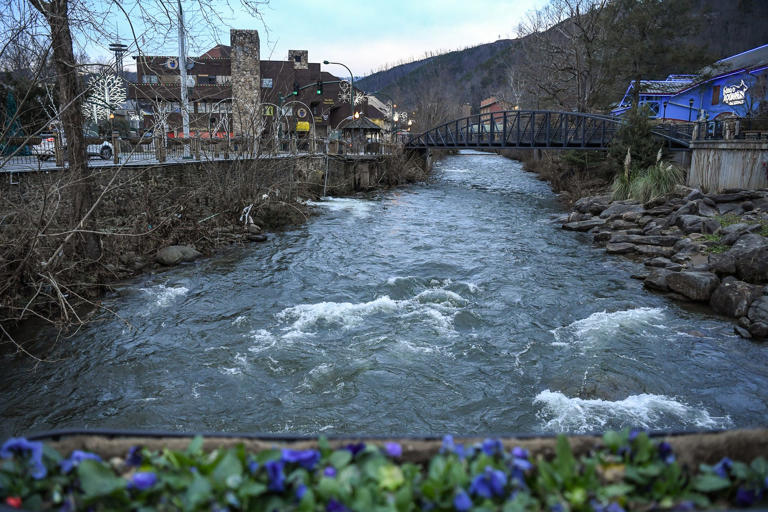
(70,101)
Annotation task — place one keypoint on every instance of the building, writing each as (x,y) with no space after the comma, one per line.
(492,105)
(294,90)
(734,86)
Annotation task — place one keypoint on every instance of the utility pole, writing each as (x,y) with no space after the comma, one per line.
(183,79)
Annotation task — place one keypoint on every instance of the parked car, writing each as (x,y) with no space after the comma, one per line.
(46,148)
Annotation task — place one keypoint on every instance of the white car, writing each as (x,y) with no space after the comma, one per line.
(45,149)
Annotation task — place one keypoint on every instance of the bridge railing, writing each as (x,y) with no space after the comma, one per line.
(535,129)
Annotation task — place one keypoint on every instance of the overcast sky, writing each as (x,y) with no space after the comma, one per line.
(365,35)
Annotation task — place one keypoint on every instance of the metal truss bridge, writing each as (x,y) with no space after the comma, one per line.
(538,129)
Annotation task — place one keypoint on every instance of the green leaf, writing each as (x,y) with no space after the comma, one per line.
(565,462)
(324,446)
(251,489)
(307,503)
(760,466)
(96,479)
(328,488)
(740,470)
(613,440)
(390,477)
(615,490)
(710,483)
(340,458)
(199,491)
(227,468)
(195,446)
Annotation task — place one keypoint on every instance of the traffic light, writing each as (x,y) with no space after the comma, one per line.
(319,87)
(295,88)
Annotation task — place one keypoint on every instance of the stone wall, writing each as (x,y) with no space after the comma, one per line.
(729,164)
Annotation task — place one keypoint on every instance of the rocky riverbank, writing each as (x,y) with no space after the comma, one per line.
(696,247)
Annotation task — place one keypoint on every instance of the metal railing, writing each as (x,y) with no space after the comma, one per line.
(746,128)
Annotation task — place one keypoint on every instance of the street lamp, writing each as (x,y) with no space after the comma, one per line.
(690,109)
(351,86)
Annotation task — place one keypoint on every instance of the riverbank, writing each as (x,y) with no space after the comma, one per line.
(149,217)
(704,248)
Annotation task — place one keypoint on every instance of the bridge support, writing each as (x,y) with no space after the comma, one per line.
(724,164)
(421,157)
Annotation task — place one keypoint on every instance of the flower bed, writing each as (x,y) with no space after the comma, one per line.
(621,471)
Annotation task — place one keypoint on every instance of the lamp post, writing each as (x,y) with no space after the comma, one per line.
(351,86)
(665,112)
(690,109)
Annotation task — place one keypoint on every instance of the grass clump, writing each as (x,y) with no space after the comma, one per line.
(643,185)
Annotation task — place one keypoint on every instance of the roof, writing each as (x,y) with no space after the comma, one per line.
(361,123)
(664,87)
(220,51)
(489,101)
(750,59)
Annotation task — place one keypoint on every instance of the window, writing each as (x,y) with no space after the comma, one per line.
(715,95)
(149,79)
(223,79)
(297,59)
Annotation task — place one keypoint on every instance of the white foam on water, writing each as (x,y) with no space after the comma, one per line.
(603,325)
(561,413)
(342,314)
(239,320)
(164,295)
(440,296)
(218,347)
(263,340)
(357,207)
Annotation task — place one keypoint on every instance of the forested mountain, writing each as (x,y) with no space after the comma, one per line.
(465,76)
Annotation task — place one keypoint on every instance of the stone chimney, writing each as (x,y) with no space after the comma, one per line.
(246,82)
(300,58)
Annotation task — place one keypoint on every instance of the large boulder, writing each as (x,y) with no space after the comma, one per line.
(594,205)
(722,263)
(696,286)
(175,254)
(619,248)
(733,297)
(657,279)
(750,253)
(667,241)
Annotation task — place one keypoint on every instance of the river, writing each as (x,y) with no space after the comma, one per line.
(455,306)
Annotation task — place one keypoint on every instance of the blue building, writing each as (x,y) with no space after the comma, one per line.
(734,86)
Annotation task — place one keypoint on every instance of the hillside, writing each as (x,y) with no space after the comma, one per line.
(469,75)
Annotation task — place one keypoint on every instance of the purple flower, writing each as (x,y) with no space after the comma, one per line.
(253,466)
(685,506)
(134,457)
(305,458)
(335,506)
(557,507)
(34,449)
(665,452)
(393,449)
(462,502)
(519,453)
(614,507)
(490,483)
(76,458)
(301,490)
(275,475)
(633,435)
(448,445)
(355,448)
(329,471)
(722,467)
(492,446)
(143,480)
(745,497)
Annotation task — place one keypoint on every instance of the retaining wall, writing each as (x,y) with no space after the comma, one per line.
(728,164)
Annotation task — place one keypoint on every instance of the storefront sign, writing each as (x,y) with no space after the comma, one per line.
(266,83)
(301,112)
(302,126)
(269,110)
(735,94)
(327,101)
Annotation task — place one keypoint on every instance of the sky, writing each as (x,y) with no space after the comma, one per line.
(365,35)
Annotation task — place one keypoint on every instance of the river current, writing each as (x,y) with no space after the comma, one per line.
(451,307)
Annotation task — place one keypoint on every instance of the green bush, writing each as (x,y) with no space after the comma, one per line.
(644,185)
(630,471)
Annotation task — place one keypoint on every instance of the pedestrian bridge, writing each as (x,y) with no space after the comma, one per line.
(538,129)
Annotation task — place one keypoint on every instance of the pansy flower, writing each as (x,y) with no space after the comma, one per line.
(462,502)
(489,484)
(393,449)
(275,475)
(143,480)
(305,458)
(76,458)
(32,449)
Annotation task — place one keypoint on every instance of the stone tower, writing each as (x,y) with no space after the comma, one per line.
(246,82)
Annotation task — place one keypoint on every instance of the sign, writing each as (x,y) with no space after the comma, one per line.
(302,126)
(301,112)
(287,111)
(266,83)
(735,94)
(269,110)
(327,101)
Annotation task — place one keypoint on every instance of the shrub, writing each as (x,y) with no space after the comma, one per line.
(654,181)
(630,471)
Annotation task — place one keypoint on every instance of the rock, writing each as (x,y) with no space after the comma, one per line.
(175,254)
(758,311)
(657,279)
(654,250)
(584,225)
(620,224)
(602,236)
(694,195)
(741,332)
(640,275)
(723,263)
(733,232)
(733,297)
(710,226)
(594,205)
(667,241)
(620,209)
(645,219)
(730,209)
(660,211)
(696,286)
(257,237)
(619,248)
(690,223)
(761,204)
(742,195)
(661,262)
(698,207)
(747,206)
(759,330)
(744,322)
(709,202)
(750,253)
(631,216)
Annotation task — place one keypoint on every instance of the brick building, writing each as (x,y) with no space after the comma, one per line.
(211,87)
